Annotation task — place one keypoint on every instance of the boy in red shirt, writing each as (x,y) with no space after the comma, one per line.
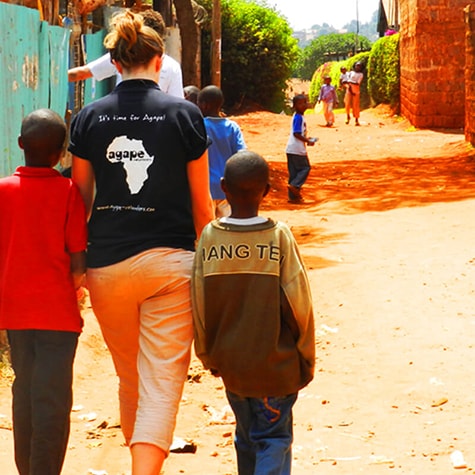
(43,239)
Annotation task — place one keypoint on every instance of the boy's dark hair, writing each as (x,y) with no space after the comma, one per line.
(42,135)
(191,93)
(154,20)
(246,172)
(298,98)
(212,96)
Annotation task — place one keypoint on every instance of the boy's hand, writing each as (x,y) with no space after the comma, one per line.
(311,141)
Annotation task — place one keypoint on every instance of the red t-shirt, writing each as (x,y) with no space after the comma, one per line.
(42,221)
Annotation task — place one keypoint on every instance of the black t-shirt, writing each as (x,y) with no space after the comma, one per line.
(139,141)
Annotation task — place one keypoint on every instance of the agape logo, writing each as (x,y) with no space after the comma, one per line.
(131,155)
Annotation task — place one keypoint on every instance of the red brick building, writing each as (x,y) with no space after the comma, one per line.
(432,55)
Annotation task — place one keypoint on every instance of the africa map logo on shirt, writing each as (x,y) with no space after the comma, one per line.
(134,158)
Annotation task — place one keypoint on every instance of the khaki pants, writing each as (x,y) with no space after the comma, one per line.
(328,112)
(143,306)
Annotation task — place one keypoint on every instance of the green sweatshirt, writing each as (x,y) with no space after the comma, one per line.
(252,309)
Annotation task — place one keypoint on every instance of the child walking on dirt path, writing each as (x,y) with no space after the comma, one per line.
(264,349)
(330,100)
(43,237)
(298,164)
(226,139)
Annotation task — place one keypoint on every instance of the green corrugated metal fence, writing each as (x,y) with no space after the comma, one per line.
(33,74)
(95,49)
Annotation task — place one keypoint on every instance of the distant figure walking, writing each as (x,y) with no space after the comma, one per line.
(352,96)
(330,100)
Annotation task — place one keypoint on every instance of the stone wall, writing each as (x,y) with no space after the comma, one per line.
(432,52)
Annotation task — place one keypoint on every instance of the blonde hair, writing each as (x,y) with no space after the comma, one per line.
(130,42)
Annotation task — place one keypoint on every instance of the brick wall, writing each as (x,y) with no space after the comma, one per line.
(470,75)
(432,50)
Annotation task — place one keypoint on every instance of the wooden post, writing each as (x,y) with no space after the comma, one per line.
(216,44)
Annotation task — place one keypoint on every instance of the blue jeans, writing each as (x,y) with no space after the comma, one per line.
(264,434)
(299,168)
(42,398)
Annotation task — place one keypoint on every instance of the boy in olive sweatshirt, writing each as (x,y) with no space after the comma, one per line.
(253,317)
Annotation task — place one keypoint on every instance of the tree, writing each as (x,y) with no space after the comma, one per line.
(330,47)
(258,53)
(189,34)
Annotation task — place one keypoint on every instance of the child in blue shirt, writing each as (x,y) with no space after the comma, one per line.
(226,139)
(297,159)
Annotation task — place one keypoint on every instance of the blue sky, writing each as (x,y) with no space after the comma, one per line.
(303,14)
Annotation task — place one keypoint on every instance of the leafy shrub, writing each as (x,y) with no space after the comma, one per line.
(258,53)
(335,44)
(383,67)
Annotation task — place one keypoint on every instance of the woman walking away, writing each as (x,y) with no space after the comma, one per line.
(144,154)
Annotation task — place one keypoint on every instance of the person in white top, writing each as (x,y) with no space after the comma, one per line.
(170,77)
(352,96)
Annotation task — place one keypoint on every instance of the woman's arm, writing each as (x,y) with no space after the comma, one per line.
(202,205)
(83,176)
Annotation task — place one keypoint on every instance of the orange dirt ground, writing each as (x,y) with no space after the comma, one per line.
(387,236)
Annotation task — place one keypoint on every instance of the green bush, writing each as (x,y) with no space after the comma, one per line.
(258,53)
(333,70)
(383,67)
(317,52)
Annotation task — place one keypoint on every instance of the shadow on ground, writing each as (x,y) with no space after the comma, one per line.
(378,185)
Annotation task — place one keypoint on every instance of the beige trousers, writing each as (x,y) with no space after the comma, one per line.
(143,306)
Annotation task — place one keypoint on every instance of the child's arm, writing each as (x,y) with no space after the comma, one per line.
(78,268)
(308,141)
(239,143)
(76,236)
(297,128)
(198,306)
(298,299)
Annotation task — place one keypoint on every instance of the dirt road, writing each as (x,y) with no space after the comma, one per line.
(387,234)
